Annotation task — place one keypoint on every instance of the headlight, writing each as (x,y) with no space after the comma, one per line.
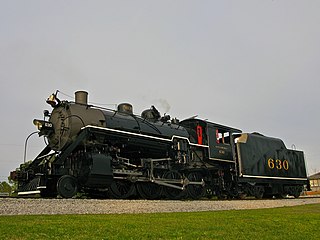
(45,128)
(38,123)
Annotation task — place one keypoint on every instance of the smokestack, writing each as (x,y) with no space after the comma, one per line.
(81,97)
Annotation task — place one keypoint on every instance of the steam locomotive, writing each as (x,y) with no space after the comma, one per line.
(115,153)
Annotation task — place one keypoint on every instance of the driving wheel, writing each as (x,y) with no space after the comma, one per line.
(121,189)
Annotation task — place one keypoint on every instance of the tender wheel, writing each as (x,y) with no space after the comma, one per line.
(294,190)
(281,195)
(173,193)
(258,192)
(195,191)
(121,189)
(149,190)
(297,191)
(296,195)
(67,186)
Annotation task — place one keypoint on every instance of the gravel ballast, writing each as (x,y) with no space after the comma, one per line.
(17,206)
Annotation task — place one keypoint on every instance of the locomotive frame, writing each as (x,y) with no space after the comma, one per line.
(115,153)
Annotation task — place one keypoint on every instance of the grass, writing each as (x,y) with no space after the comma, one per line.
(300,222)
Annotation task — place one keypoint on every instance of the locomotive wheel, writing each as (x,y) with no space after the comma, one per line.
(258,192)
(297,191)
(281,196)
(121,189)
(195,191)
(67,186)
(173,193)
(149,190)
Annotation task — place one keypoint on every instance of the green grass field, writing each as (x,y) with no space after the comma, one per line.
(301,222)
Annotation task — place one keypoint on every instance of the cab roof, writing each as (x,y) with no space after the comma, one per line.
(210,124)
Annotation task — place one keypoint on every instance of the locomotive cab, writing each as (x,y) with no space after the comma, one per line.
(221,142)
(217,138)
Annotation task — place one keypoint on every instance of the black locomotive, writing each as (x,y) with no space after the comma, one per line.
(115,153)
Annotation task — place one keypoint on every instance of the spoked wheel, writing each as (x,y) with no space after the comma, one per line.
(121,189)
(195,191)
(170,192)
(67,186)
(149,190)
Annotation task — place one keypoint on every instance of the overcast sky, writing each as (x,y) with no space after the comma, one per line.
(252,65)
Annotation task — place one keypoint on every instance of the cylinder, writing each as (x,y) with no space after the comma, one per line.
(81,97)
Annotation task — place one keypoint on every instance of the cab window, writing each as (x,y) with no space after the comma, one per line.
(222,136)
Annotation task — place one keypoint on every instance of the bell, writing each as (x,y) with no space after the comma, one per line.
(52,100)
